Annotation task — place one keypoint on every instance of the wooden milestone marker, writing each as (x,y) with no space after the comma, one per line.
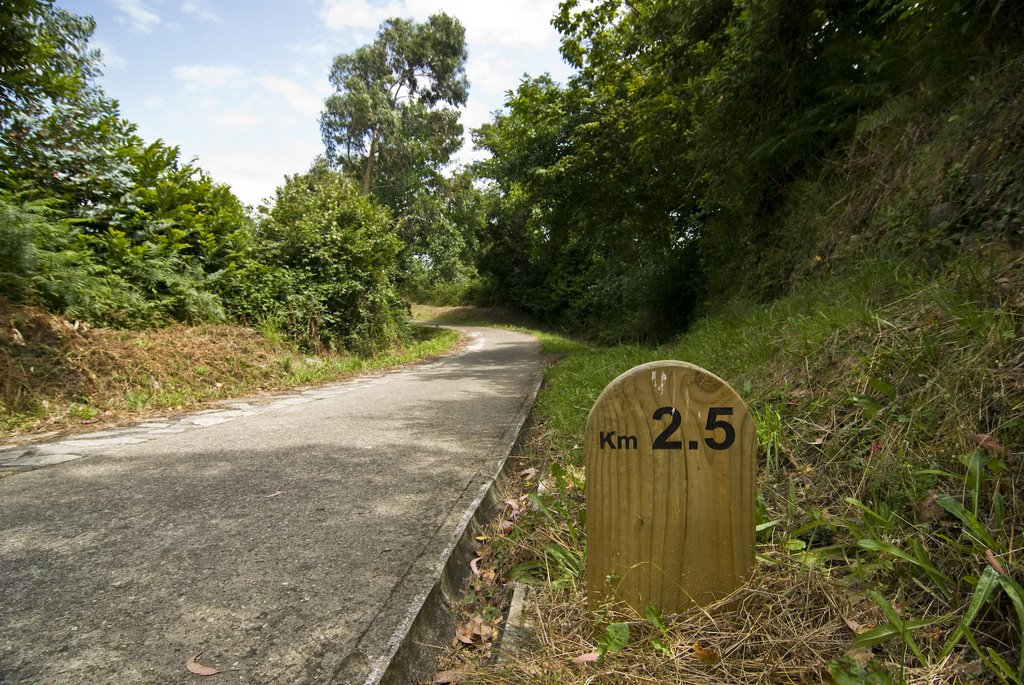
(671,460)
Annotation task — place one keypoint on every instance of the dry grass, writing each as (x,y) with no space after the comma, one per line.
(60,375)
(55,374)
(783,626)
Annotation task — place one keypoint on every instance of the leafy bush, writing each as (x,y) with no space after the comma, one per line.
(44,260)
(331,260)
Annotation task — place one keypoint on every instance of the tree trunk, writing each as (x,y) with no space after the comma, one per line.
(368,172)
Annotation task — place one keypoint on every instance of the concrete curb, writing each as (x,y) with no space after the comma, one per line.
(413,647)
(519,626)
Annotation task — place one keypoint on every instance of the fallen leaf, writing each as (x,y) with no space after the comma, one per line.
(708,655)
(857,628)
(991,557)
(487,631)
(587,658)
(862,656)
(475,566)
(513,506)
(505,525)
(273,494)
(452,676)
(528,473)
(489,576)
(989,443)
(819,441)
(463,634)
(198,669)
(482,538)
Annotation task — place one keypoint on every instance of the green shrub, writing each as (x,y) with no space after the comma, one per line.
(331,258)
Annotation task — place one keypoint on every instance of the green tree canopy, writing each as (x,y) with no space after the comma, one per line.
(386,123)
(44,56)
(661,173)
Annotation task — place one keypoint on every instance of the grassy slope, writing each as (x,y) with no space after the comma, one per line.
(889,395)
(55,375)
(889,410)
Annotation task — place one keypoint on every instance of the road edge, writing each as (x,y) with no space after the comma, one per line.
(414,645)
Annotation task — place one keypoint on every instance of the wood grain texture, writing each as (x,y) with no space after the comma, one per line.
(672,527)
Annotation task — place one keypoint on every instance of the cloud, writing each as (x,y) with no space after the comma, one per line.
(255,172)
(111,58)
(155,101)
(200,9)
(522,24)
(294,94)
(206,77)
(320,50)
(136,14)
(360,14)
(490,71)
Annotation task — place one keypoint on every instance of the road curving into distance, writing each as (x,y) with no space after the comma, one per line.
(284,539)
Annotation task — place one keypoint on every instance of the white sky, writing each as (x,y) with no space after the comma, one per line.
(240,85)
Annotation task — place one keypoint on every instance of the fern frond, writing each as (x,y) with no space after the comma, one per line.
(893,109)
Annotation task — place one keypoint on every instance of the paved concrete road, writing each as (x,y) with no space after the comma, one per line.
(287,539)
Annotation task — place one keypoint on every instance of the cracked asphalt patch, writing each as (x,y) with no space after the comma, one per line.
(285,539)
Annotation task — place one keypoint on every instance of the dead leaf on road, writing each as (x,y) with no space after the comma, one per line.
(198,669)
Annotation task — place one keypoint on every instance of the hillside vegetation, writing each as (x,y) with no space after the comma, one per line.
(714,150)
(822,203)
(888,393)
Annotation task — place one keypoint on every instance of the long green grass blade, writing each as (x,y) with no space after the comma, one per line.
(940,580)
(953,506)
(1015,593)
(982,593)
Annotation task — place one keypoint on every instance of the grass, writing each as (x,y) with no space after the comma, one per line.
(55,375)
(890,408)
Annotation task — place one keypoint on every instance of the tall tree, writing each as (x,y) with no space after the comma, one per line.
(386,123)
(44,56)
